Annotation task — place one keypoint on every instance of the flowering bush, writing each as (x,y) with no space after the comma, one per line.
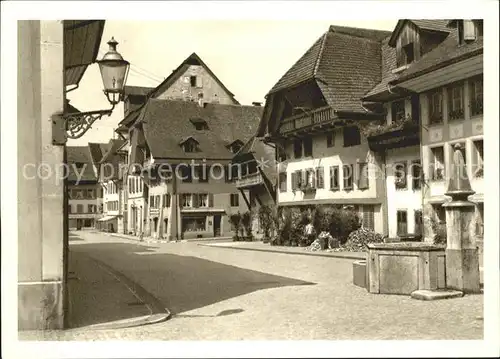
(375,129)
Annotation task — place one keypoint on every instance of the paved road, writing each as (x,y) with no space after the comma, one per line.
(228,294)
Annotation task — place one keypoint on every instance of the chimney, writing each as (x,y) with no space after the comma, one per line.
(258,104)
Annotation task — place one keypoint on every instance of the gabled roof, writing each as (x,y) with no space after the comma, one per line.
(166,122)
(113,146)
(97,151)
(192,59)
(429,25)
(345,63)
(446,53)
(80,154)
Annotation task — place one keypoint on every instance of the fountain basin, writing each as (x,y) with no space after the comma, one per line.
(404,267)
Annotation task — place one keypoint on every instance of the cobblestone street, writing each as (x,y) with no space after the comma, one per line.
(229,294)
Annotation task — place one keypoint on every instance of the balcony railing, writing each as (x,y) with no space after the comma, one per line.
(250,180)
(307,119)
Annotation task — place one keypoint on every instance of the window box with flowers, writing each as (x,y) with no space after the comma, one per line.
(308,188)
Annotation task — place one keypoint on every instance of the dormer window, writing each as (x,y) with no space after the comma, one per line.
(190,145)
(235,146)
(469,30)
(408,50)
(199,124)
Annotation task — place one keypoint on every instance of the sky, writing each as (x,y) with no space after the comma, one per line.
(248,56)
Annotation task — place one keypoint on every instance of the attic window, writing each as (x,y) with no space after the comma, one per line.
(469,31)
(199,123)
(409,54)
(235,146)
(190,145)
(195,81)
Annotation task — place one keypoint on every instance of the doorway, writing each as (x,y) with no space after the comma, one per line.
(217,220)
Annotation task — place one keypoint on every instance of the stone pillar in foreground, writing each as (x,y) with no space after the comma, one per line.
(462,259)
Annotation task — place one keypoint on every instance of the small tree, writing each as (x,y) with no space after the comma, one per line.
(266,221)
(246,224)
(235,220)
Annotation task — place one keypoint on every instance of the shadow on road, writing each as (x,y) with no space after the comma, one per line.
(182,283)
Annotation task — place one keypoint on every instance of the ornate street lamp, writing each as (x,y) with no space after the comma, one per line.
(114,72)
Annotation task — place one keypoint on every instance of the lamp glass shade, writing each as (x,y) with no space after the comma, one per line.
(114,75)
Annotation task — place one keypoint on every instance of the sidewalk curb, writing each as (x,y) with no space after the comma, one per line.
(330,255)
(158,311)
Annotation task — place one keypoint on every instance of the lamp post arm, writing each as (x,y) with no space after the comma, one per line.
(74,125)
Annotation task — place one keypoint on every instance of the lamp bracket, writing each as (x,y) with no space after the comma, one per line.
(74,125)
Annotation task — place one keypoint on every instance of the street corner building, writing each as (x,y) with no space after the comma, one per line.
(52,56)
(191,117)
(369,119)
(195,142)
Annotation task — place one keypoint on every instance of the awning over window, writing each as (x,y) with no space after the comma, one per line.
(82,39)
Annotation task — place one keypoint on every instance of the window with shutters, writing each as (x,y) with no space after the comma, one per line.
(398,111)
(308,146)
(478,159)
(400,175)
(203,200)
(187,200)
(282,180)
(476,96)
(334,178)
(330,139)
(320,177)
(297,148)
(234,199)
(157,201)
(402,222)
(435,99)
(469,30)
(369,217)
(363,178)
(166,200)
(456,101)
(201,173)
(437,163)
(186,174)
(416,175)
(352,136)
(419,229)
(348,174)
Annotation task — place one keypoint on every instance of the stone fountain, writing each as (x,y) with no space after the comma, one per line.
(429,271)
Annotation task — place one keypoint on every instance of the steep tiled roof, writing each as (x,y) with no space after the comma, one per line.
(112,168)
(80,154)
(389,63)
(430,25)
(153,93)
(191,59)
(165,123)
(97,151)
(345,63)
(137,90)
(113,146)
(444,54)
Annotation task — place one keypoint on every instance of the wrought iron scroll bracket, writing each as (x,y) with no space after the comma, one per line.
(74,125)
